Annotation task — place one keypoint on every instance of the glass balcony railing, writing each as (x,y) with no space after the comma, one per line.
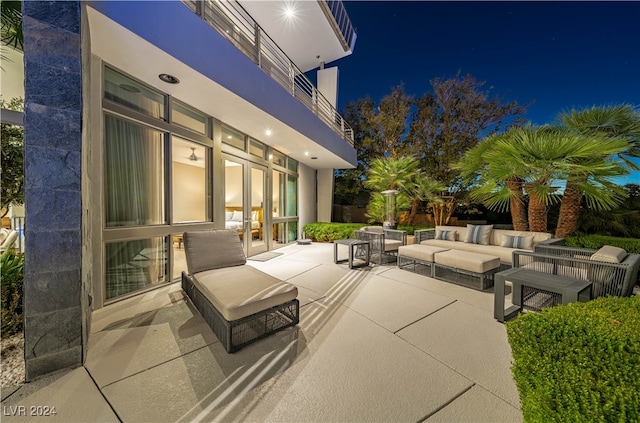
(237,26)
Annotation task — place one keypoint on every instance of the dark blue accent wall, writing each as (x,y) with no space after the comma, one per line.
(53,138)
(175,29)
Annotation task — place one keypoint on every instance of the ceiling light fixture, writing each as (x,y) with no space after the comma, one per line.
(289,12)
(169,79)
(193,156)
(268,132)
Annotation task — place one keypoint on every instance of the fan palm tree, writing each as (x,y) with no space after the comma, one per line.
(393,173)
(539,159)
(11,24)
(498,195)
(618,122)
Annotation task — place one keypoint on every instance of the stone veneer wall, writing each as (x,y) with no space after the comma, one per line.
(53,304)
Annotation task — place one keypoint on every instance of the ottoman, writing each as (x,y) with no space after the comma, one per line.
(418,258)
(473,270)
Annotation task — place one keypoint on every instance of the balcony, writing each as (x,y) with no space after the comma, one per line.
(239,28)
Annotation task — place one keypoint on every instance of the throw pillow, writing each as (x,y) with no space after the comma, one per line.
(517,241)
(228,215)
(446,235)
(478,234)
(609,254)
(237,216)
(602,276)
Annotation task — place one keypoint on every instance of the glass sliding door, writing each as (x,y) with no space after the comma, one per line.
(257,188)
(234,196)
(245,187)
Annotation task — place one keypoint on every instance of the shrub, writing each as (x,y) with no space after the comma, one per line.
(631,245)
(328,232)
(11,281)
(579,362)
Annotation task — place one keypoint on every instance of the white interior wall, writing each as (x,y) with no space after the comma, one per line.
(189,193)
(233,186)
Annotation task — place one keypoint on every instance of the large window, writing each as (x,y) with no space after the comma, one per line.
(132,94)
(190,191)
(134,174)
(135,265)
(157,181)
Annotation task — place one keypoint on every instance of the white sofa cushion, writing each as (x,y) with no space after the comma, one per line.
(241,291)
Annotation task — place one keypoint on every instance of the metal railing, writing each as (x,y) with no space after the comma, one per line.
(342,21)
(238,27)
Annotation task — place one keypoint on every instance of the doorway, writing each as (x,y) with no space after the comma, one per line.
(245,203)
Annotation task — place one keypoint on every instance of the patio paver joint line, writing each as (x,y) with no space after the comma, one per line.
(464,391)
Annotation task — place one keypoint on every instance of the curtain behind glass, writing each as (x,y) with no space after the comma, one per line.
(134,174)
(135,265)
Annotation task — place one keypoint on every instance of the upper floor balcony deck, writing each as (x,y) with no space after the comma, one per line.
(235,24)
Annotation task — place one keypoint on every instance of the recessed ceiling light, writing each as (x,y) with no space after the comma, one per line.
(268,132)
(169,79)
(228,137)
(306,153)
(289,12)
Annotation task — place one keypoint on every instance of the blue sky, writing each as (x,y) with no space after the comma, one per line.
(558,55)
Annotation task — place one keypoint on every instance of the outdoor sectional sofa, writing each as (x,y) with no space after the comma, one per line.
(468,256)
(240,303)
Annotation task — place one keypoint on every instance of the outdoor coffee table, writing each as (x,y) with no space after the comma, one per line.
(534,290)
(356,247)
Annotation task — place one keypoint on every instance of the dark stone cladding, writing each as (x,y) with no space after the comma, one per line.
(53,199)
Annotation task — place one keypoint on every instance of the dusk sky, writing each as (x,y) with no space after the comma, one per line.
(558,55)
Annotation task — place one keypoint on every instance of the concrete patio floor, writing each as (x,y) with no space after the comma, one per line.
(373,344)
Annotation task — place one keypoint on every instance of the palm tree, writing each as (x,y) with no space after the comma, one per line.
(11,24)
(617,122)
(498,195)
(393,173)
(423,188)
(539,159)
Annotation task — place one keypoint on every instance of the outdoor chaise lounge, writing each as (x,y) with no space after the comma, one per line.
(240,303)
(8,238)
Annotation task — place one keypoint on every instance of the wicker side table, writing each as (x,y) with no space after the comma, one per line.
(358,249)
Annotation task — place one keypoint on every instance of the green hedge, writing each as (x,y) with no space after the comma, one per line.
(631,245)
(579,363)
(11,282)
(328,232)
